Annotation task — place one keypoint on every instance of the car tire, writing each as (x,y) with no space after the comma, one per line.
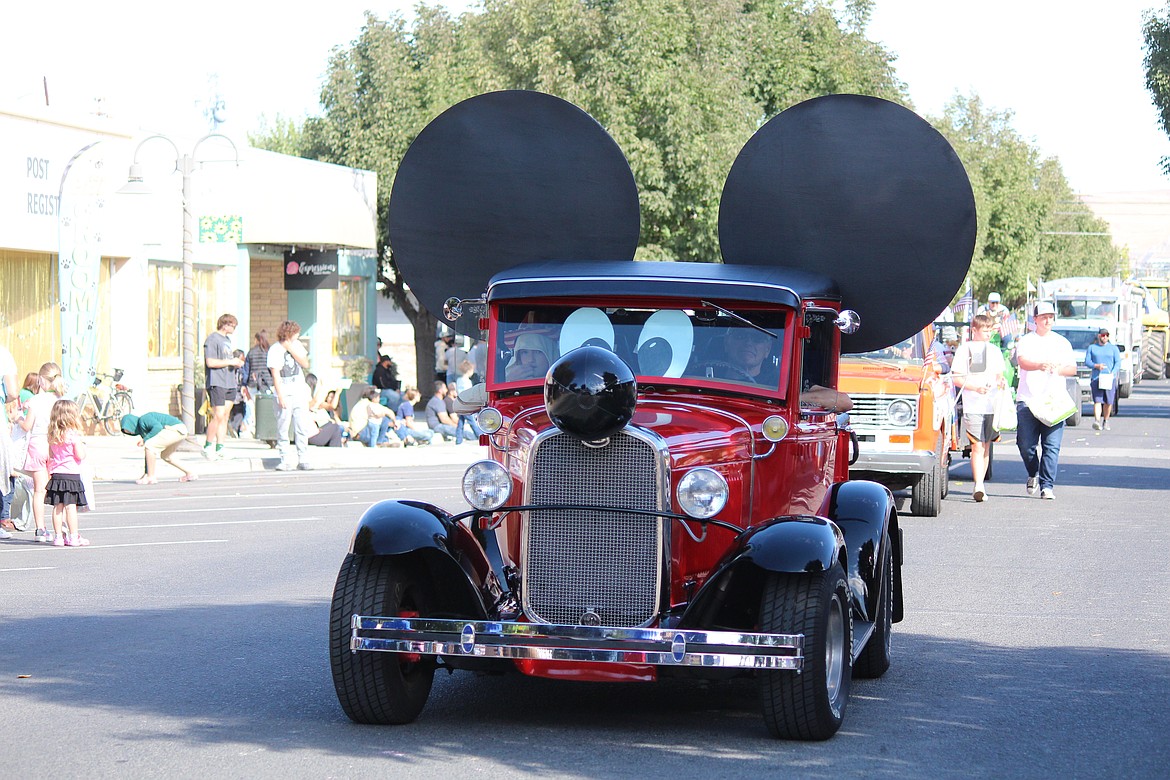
(926,494)
(808,705)
(376,687)
(874,660)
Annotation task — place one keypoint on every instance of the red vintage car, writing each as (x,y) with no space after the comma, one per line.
(668,490)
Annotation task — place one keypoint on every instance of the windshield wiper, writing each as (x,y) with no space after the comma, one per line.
(738,318)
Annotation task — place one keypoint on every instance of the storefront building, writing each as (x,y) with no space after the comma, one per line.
(92,277)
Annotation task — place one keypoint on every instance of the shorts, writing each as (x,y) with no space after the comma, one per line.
(220,396)
(65,489)
(979,427)
(37,457)
(1103,396)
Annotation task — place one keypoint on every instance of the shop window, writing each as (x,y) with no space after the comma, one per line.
(349,315)
(165,285)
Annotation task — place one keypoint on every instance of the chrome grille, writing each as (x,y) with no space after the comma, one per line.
(870,410)
(579,561)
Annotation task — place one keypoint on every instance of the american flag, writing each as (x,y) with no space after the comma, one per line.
(1010,328)
(965,306)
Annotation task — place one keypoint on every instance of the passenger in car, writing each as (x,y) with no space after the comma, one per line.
(532,356)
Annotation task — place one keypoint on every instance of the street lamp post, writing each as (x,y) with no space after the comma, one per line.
(185,164)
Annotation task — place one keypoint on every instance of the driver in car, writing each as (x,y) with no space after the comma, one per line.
(533,354)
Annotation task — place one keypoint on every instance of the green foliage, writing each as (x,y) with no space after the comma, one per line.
(281,134)
(357,369)
(1156,33)
(1031,225)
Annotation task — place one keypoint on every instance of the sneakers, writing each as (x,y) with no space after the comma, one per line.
(1048,494)
(1096,425)
(979,495)
(43,535)
(4,534)
(59,541)
(1032,485)
(304,467)
(77,540)
(282,466)
(211,454)
(1106,427)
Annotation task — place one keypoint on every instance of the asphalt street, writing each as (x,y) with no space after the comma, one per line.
(190,641)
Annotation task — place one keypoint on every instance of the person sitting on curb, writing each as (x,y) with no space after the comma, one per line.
(438,419)
(406,429)
(161,435)
(369,421)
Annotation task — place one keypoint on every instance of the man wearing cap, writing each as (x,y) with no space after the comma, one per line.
(1104,358)
(1045,359)
(998,316)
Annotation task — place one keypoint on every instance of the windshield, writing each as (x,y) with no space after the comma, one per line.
(910,351)
(1080,339)
(708,342)
(1086,309)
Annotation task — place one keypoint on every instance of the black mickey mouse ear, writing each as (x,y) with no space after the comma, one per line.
(502,179)
(861,190)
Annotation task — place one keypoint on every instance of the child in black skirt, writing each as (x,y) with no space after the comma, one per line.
(65,491)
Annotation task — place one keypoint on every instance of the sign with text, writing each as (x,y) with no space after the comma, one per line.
(310,269)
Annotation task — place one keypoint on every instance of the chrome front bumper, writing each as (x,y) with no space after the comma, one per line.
(915,462)
(598,644)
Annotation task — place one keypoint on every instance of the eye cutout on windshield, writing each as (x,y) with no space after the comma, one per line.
(665,343)
(584,326)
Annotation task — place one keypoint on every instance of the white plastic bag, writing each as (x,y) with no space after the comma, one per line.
(1004,418)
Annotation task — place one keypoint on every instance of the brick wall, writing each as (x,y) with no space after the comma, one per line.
(268,302)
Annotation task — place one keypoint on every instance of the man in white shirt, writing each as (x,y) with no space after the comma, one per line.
(977,369)
(288,361)
(1045,359)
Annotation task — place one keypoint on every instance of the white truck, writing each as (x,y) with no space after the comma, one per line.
(1086,304)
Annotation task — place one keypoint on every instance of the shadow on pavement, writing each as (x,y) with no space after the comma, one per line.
(259,675)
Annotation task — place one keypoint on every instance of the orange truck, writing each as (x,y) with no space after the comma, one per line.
(903,415)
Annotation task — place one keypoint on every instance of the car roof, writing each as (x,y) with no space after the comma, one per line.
(763,284)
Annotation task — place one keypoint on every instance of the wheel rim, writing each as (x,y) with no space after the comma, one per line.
(835,649)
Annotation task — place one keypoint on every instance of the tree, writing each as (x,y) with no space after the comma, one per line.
(1156,32)
(1030,224)
(680,84)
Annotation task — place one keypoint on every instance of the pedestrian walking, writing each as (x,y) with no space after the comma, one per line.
(222,383)
(288,361)
(977,369)
(1103,358)
(160,436)
(1045,358)
(65,491)
(35,424)
(8,396)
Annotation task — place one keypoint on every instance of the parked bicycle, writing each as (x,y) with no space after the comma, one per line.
(106,402)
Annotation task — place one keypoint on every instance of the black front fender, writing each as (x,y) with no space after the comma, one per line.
(456,563)
(865,512)
(786,545)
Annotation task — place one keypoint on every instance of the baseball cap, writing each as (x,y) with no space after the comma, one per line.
(1103,332)
(1044,307)
(993,298)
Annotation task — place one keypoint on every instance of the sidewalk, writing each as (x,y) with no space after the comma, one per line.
(119,459)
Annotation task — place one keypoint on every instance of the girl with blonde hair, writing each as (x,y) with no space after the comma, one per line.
(35,424)
(65,491)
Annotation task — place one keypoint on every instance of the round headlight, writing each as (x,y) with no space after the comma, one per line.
(486,485)
(702,493)
(775,428)
(900,412)
(490,420)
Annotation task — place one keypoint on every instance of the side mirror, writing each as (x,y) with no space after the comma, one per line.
(848,321)
(452,309)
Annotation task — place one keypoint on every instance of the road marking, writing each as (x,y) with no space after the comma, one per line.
(193,525)
(157,544)
(131,544)
(32,568)
(217,509)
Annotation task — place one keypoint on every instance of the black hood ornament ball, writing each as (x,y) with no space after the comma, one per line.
(590,393)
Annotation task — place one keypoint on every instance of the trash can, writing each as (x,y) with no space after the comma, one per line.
(266,414)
